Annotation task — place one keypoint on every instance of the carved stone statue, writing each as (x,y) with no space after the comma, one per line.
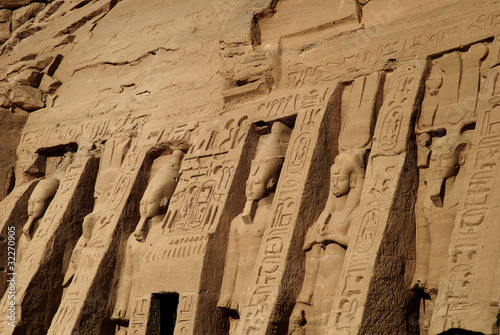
(326,242)
(153,208)
(114,151)
(39,200)
(87,227)
(438,209)
(248,228)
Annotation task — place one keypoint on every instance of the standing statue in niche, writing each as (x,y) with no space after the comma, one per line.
(248,228)
(38,202)
(114,151)
(436,217)
(326,242)
(153,208)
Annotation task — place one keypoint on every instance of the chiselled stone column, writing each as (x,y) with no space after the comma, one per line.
(191,241)
(275,275)
(83,307)
(12,214)
(38,276)
(385,219)
(469,289)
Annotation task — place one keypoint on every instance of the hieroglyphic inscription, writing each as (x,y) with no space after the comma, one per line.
(88,291)
(195,212)
(456,297)
(40,250)
(383,172)
(259,308)
(360,52)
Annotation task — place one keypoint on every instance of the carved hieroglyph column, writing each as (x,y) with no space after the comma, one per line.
(40,270)
(469,289)
(188,243)
(274,278)
(387,171)
(83,306)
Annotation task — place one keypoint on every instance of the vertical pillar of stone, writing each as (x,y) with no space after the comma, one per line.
(355,308)
(193,238)
(83,307)
(469,288)
(12,214)
(38,277)
(275,276)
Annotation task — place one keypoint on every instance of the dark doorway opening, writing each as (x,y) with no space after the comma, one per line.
(163,313)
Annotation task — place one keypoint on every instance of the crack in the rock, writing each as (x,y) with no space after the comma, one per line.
(127,62)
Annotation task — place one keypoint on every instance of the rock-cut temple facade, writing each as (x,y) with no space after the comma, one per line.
(248,167)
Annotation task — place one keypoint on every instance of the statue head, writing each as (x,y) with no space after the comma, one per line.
(41,197)
(344,173)
(266,166)
(158,193)
(448,154)
(433,83)
(423,140)
(39,201)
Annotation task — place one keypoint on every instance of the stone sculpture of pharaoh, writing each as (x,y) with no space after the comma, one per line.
(153,208)
(436,219)
(37,205)
(248,228)
(87,227)
(326,242)
(39,200)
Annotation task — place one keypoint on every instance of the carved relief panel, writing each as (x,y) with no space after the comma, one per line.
(445,129)
(466,296)
(328,237)
(247,229)
(198,214)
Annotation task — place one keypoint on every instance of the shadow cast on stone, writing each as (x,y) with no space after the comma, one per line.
(459,331)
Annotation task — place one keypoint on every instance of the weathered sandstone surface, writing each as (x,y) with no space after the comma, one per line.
(249,167)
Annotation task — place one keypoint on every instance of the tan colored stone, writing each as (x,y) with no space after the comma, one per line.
(247,228)
(23,14)
(27,77)
(5,15)
(153,209)
(4,101)
(26,97)
(4,31)
(49,84)
(12,4)
(390,178)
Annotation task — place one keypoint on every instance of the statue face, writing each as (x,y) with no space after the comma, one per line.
(150,207)
(36,207)
(433,84)
(444,163)
(340,183)
(256,187)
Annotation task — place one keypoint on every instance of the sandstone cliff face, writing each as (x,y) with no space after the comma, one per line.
(249,167)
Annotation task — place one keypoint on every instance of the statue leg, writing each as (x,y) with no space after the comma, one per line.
(330,269)
(312,264)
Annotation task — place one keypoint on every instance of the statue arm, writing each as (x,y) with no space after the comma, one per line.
(230,269)
(423,244)
(319,225)
(75,258)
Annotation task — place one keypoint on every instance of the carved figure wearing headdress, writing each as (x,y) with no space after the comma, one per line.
(448,154)
(438,209)
(153,208)
(326,242)
(114,151)
(38,202)
(247,229)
